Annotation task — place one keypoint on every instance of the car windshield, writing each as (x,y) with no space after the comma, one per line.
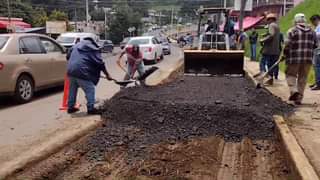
(139,41)
(3,41)
(69,40)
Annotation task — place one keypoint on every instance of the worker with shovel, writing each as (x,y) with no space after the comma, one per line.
(84,67)
(134,62)
(298,54)
(270,47)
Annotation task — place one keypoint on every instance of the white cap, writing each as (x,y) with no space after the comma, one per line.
(300,18)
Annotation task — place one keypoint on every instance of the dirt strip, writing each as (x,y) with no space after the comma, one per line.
(193,128)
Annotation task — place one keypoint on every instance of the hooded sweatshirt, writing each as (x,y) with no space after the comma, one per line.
(299,47)
(85,62)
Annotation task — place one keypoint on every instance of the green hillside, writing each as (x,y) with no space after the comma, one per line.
(309,8)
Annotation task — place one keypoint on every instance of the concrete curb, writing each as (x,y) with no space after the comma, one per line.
(70,135)
(162,76)
(297,161)
(49,147)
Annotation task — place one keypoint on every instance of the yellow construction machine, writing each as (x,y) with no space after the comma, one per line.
(214,53)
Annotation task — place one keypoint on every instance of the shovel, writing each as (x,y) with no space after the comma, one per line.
(260,79)
(141,78)
(121,83)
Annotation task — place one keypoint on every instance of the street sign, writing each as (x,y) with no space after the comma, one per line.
(56,27)
(131,29)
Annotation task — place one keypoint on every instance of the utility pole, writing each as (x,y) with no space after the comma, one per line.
(242,11)
(9,12)
(284,7)
(172,11)
(160,14)
(76,19)
(87,12)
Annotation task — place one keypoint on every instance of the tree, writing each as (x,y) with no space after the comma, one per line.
(124,18)
(40,18)
(18,9)
(97,15)
(58,16)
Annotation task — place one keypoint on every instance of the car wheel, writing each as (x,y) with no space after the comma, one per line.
(162,56)
(155,58)
(24,89)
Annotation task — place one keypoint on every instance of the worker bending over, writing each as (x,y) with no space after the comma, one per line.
(134,61)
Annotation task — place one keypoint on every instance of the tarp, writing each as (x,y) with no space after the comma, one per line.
(249,22)
(4,24)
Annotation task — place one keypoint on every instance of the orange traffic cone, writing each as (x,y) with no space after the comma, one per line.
(64,105)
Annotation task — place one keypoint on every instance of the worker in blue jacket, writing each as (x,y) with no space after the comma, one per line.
(84,67)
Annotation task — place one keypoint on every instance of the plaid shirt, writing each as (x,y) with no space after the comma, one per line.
(300,45)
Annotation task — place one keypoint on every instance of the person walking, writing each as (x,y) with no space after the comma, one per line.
(277,69)
(253,38)
(270,47)
(298,55)
(84,67)
(134,61)
(315,20)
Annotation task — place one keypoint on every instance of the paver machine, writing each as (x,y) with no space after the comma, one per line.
(214,54)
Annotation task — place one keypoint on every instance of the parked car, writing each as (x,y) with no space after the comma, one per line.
(150,48)
(124,42)
(166,46)
(28,63)
(69,39)
(106,46)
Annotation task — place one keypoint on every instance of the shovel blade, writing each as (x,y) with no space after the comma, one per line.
(124,83)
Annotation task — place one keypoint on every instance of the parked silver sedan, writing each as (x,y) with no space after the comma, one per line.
(30,62)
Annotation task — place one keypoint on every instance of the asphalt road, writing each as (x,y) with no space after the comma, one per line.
(24,125)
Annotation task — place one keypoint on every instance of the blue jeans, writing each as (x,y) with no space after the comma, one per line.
(270,60)
(87,86)
(263,64)
(317,68)
(253,52)
(139,67)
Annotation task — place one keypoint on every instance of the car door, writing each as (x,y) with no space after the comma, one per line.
(158,47)
(155,46)
(34,57)
(57,59)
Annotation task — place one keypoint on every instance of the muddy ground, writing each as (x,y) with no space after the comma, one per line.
(192,128)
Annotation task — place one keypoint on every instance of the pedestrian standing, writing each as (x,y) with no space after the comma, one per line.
(315,20)
(134,61)
(270,46)
(298,53)
(84,67)
(253,38)
(242,40)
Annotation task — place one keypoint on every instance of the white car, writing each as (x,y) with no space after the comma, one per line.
(150,47)
(69,39)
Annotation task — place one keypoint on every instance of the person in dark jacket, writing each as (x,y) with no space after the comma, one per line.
(84,67)
(270,47)
(253,38)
